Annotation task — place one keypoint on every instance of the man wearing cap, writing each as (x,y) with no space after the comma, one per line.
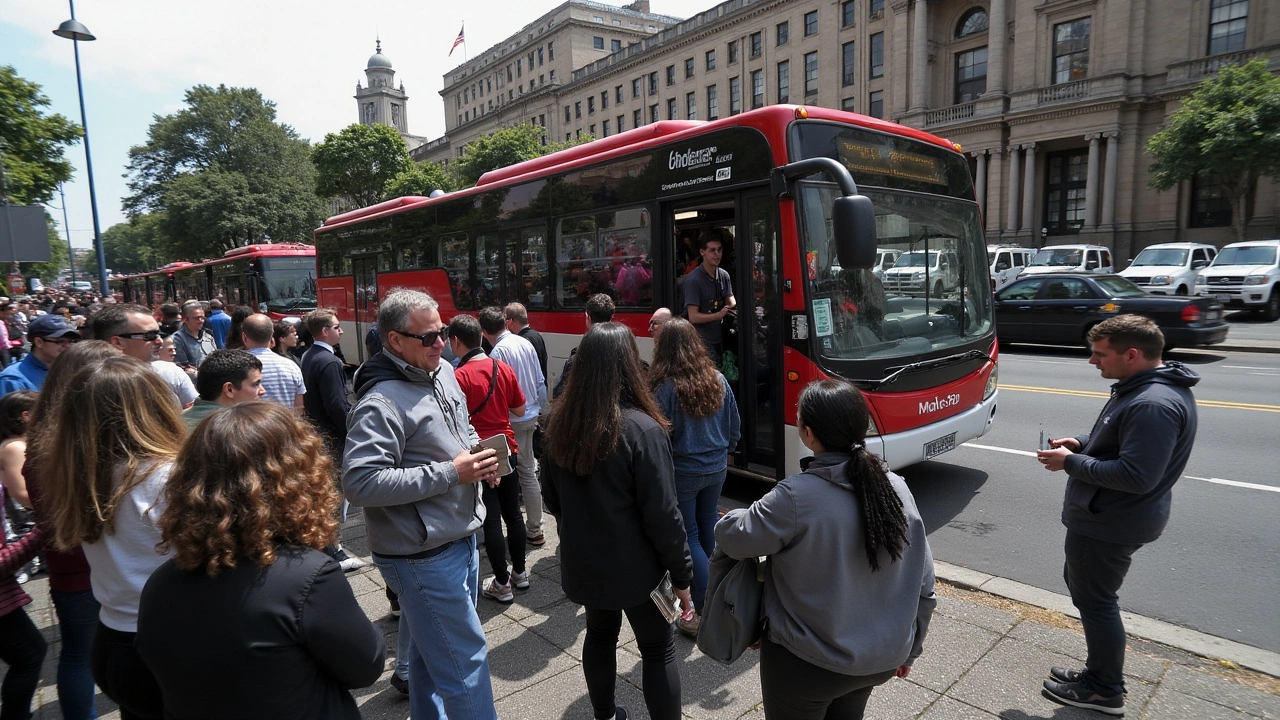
(50,335)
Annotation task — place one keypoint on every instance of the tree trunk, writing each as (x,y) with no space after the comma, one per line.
(1239,203)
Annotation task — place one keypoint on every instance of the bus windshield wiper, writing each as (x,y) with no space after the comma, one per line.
(933,364)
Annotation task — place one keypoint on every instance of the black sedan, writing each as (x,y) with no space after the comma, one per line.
(1059,309)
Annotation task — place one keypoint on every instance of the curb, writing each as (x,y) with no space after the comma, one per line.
(1236,348)
(1175,636)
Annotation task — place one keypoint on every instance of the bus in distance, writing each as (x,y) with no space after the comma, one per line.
(804,200)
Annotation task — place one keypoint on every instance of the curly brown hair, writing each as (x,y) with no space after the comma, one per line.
(680,357)
(250,478)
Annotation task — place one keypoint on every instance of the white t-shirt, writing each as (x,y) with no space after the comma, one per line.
(178,381)
(121,561)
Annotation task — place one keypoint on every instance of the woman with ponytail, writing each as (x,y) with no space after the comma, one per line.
(849,590)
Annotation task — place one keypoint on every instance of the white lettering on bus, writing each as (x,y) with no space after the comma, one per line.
(939,403)
(690,158)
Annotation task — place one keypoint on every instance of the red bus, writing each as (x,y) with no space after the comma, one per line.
(806,197)
(278,279)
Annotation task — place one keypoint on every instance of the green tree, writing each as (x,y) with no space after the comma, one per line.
(358,162)
(421,179)
(136,245)
(1228,128)
(504,147)
(32,144)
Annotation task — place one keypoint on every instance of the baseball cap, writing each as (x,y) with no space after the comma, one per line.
(52,326)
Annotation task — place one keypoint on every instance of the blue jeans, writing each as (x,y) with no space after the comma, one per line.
(77,619)
(448,660)
(698,508)
(404,647)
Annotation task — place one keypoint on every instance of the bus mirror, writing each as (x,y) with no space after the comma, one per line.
(854,221)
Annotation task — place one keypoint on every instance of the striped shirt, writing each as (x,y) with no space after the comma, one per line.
(281,377)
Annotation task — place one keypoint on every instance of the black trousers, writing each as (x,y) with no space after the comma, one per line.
(502,504)
(795,689)
(118,669)
(1094,572)
(659,673)
(22,648)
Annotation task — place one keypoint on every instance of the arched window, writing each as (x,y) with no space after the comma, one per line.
(974,21)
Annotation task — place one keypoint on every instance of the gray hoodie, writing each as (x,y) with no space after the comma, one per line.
(406,428)
(821,599)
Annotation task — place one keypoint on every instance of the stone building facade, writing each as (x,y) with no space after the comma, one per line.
(1053,101)
(379,101)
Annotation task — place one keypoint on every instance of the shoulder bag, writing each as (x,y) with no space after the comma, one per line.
(732,614)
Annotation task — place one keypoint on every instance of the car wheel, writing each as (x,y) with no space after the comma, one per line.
(1273,305)
(1182,290)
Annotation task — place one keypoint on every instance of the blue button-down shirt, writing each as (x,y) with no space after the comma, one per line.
(26,374)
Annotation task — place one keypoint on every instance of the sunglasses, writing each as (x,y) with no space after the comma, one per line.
(149,336)
(428,339)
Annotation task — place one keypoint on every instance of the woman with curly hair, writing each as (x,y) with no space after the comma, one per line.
(705,427)
(249,618)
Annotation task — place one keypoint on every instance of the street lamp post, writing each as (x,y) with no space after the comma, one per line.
(71,252)
(74,31)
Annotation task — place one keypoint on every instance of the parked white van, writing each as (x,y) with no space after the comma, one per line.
(1006,262)
(923,273)
(1169,268)
(1071,258)
(1245,275)
(885,259)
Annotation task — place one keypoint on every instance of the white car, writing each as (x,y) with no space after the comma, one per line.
(1169,268)
(1245,275)
(919,273)
(1071,258)
(885,259)
(1006,263)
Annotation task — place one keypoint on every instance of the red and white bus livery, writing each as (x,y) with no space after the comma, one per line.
(804,197)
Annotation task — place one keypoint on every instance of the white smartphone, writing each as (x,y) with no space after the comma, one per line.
(1044,440)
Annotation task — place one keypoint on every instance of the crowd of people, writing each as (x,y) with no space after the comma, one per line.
(189,472)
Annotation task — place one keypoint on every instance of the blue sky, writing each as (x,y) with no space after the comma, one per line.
(305,56)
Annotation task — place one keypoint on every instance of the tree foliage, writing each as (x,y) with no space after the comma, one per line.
(136,245)
(1228,128)
(503,147)
(358,162)
(421,179)
(33,143)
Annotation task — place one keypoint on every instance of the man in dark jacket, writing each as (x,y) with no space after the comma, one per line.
(1119,482)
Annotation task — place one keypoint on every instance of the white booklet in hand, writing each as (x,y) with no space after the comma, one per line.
(497,443)
(664,596)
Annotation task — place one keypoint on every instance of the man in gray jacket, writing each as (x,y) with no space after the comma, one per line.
(1120,477)
(408,462)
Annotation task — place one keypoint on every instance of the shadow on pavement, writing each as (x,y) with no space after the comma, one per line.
(942,490)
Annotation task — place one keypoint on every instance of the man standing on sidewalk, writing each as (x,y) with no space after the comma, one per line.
(1119,482)
(282,378)
(408,463)
(218,322)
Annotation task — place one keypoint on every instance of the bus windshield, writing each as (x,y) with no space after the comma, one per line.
(289,284)
(857,315)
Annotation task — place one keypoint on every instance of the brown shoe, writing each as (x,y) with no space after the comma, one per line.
(689,627)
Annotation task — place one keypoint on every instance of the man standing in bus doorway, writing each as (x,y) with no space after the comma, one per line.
(219,323)
(708,293)
(192,342)
(1120,477)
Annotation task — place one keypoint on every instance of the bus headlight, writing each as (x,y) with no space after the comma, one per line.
(872,430)
(992,383)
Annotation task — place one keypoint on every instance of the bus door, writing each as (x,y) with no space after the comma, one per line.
(364,271)
(759,337)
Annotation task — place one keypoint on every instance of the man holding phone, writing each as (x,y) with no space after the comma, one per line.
(1119,482)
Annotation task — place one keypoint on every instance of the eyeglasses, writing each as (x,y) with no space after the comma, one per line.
(60,341)
(428,338)
(149,336)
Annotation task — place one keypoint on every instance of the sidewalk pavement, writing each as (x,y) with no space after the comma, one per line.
(985,657)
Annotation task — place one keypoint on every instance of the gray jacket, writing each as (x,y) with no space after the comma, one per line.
(406,428)
(821,599)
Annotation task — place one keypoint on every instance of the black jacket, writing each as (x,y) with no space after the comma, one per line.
(285,641)
(539,346)
(620,527)
(1120,484)
(326,398)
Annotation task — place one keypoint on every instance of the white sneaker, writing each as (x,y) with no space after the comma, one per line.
(348,563)
(501,593)
(520,580)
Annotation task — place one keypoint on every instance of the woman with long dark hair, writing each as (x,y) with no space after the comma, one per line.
(705,427)
(849,592)
(608,483)
(249,617)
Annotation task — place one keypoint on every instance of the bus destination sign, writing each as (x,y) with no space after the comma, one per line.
(882,159)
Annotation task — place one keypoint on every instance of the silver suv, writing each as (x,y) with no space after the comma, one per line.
(1169,268)
(1245,275)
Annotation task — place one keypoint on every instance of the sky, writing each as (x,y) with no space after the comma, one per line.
(304,56)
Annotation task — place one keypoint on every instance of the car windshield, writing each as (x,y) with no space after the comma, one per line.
(855,317)
(1161,256)
(290,284)
(1247,255)
(1054,258)
(1117,286)
(917,259)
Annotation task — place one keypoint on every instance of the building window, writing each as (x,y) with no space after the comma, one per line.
(972,23)
(733,51)
(568,117)
(784,81)
(811,23)
(1064,191)
(671,75)
(847,104)
(591,105)
(519,62)
(971,75)
(847,11)
(671,109)
(691,105)
(541,55)
(875,104)
(597,42)
(713,103)
(735,95)
(1210,206)
(635,88)
(568,137)
(592,130)
(615,45)
(553,75)
(876,68)
(636,119)
(653,83)
(604,100)
(848,61)
(1071,51)
(617,94)
(551,51)
(757,89)
(811,73)
(875,9)
(653,113)
(621,123)
(711,60)
(688,68)
(784,32)
(577,110)
(756,41)
(1226,26)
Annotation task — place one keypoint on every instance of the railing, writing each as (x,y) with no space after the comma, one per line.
(949,115)
(1200,68)
(1065,91)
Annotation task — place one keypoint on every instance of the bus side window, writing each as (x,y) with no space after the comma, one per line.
(455,258)
(606,253)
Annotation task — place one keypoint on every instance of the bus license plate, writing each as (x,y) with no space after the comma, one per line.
(934,448)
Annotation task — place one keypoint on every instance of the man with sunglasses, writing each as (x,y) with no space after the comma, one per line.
(50,335)
(132,330)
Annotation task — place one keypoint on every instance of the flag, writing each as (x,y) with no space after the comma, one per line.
(459,40)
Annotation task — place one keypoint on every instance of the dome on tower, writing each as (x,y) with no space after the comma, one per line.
(378,60)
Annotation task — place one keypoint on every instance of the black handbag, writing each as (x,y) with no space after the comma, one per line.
(732,614)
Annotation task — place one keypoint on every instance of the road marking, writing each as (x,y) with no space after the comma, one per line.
(1246,367)
(1045,362)
(1094,394)
(1216,481)
(1267,374)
